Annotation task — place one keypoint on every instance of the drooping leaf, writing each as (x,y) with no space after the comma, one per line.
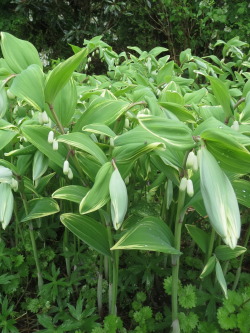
(40,207)
(150,234)
(89,231)
(119,198)
(73,193)
(224,252)
(61,74)
(98,195)
(200,237)
(83,142)
(19,54)
(98,128)
(29,86)
(6,137)
(221,278)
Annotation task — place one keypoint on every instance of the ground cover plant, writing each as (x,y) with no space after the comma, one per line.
(124,196)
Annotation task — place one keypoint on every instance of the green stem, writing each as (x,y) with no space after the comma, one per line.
(33,242)
(66,251)
(99,287)
(238,272)
(176,261)
(211,245)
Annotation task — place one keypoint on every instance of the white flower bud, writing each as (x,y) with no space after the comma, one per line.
(89,59)
(97,51)
(14,184)
(66,167)
(111,142)
(10,94)
(55,145)
(70,174)
(51,137)
(86,67)
(183,184)
(190,188)
(235,125)
(196,164)
(126,123)
(190,160)
(45,117)
(40,118)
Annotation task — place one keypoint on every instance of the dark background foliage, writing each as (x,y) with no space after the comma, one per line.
(175,24)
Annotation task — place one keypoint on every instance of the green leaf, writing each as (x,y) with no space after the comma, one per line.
(29,86)
(41,207)
(195,97)
(103,110)
(98,128)
(6,137)
(19,54)
(172,132)
(73,193)
(61,74)
(223,252)
(98,196)
(221,278)
(150,234)
(83,142)
(200,237)
(65,103)
(209,267)
(40,165)
(89,231)
(221,93)
(179,111)
(242,191)
(38,136)
(165,73)
(119,198)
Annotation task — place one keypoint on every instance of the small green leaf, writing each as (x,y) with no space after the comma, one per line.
(200,237)
(150,234)
(223,252)
(209,267)
(221,278)
(73,193)
(6,137)
(89,231)
(41,207)
(99,129)
(98,195)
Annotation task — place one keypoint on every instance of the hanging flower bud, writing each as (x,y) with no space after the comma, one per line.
(10,94)
(235,125)
(45,117)
(86,67)
(183,184)
(126,124)
(55,145)
(70,174)
(190,188)
(14,184)
(89,59)
(40,118)
(111,142)
(66,167)
(190,160)
(50,137)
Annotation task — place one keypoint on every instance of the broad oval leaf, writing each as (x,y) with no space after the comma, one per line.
(98,195)
(172,132)
(61,74)
(73,193)
(83,142)
(18,53)
(150,234)
(29,86)
(40,207)
(89,231)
